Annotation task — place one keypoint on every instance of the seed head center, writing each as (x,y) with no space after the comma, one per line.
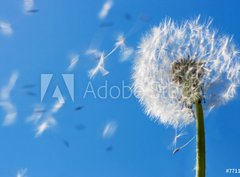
(187,73)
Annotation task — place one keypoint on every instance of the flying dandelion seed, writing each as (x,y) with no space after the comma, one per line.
(105,9)
(109,130)
(100,65)
(181,66)
(58,105)
(22,173)
(47,123)
(36,115)
(120,42)
(73,63)
(177,137)
(6,28)
(28,7)
(125,53)
(5,102)
(183,146)
(43,119)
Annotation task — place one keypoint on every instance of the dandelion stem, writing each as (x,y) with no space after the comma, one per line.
(200,164)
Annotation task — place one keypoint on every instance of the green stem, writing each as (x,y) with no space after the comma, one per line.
(200,164)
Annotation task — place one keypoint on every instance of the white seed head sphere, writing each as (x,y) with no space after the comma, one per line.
(212,72)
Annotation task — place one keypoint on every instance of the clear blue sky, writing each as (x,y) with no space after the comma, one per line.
(43,42)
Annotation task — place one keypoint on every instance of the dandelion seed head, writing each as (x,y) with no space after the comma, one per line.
(178,64)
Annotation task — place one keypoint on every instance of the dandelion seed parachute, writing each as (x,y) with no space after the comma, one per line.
(6,28)
(22,172)
(168,43)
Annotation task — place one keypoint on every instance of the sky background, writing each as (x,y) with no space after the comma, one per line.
(44,42)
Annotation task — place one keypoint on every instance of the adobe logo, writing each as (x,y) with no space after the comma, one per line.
(69,83)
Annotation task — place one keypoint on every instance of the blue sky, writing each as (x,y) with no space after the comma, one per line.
(42,43)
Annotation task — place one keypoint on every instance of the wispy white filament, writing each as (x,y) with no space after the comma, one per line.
(100,65)
(73,63)
(105,9)
(177,137)
(36,115)
(22,173)
(109,130)
(28,5)
(125,53)
(6,28)
(44,121)
(57,106)
(11,113)
(168,42)
(47,123)
(6,103)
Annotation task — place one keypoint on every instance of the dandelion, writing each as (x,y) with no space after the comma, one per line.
(181,66)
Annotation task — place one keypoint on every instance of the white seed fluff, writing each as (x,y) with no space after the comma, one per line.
(162,46)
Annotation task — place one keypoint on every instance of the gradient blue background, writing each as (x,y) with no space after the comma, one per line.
(43,42)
